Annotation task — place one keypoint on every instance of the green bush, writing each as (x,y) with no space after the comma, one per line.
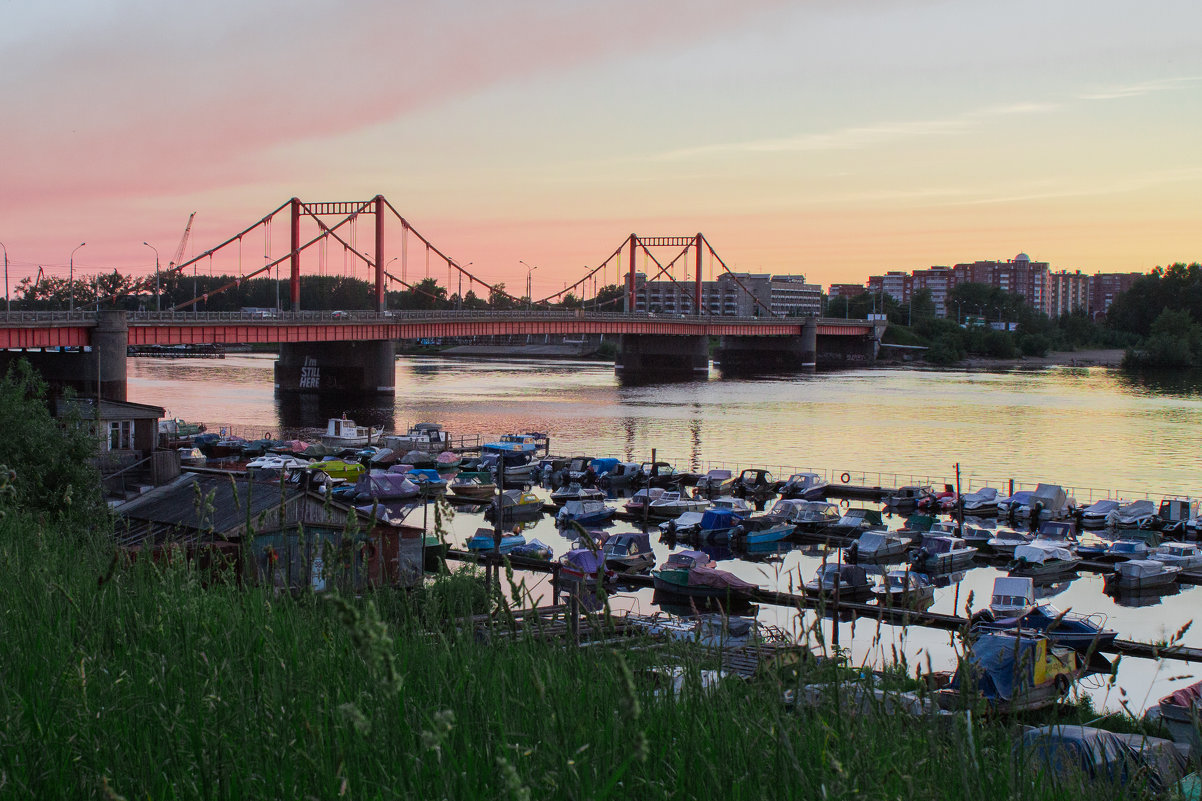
(50,459)
(1034,345)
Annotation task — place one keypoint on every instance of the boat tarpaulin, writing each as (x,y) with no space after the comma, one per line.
(708,577)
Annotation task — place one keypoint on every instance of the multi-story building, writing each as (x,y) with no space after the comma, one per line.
(939,281)
(732,295)
(1018,276)
(895,283)
(1067,292)
(846,290)
(1105,287)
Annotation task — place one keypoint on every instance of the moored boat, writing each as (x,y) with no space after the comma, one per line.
(342,432)
(806,486)
(474,485)
(880,547)
(1141,574)
(673,504)
(584,512)
(1043,561)
(428,437)
(942,554)
(1071,630)
(1013,673)
(485,539)
(629,552)
(843,582)
(692,574)
(904,588)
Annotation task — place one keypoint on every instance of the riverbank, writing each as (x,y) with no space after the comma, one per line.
(1067,358)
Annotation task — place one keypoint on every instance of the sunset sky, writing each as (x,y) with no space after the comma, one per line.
(834,139)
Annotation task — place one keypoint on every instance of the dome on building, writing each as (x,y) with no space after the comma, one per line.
(1022,257)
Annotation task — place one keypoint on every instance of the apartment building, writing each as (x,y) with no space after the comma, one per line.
(732,295)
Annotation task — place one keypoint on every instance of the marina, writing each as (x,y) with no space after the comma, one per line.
(824,430)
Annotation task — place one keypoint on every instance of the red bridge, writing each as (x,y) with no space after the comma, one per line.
(352,350)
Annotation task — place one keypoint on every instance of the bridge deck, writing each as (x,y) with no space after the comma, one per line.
(73,329)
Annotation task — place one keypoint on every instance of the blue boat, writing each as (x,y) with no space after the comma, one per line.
(516,443)
(761,531)
(1079,632)
(485,540)
(717,524)
(427,479)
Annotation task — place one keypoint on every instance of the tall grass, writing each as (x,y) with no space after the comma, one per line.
(142,683)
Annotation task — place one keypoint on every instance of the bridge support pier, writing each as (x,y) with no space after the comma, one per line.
(644,357)
(82,370)
(758,354)
(356,368)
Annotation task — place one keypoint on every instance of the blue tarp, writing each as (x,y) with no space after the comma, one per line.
(998,660)
(602,466)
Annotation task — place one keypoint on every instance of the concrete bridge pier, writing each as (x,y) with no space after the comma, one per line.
(356,368)
(82,370)
(836,352)
(758,354)
(646,357)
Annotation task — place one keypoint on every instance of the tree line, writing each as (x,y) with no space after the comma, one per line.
(318,293)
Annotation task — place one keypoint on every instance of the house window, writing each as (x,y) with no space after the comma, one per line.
(121,435)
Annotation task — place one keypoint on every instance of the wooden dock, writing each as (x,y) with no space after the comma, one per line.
(894,616)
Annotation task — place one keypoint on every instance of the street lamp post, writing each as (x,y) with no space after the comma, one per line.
(157,291)
(529,296)
(71,278)
(8,306)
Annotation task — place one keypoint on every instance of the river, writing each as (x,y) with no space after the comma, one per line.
(1095,431)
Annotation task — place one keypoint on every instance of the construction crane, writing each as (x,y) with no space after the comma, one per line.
(183,243)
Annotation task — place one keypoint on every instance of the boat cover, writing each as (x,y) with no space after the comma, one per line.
(1040,553)
(721,579)
(584,560)
(1052,496)
(997,660)
(983,495)
(1185,698)
(418,458)
(1140,568)
(603,466)
(687,559)
(384,486)
(1105,755)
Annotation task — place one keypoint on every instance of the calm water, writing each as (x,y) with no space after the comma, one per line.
(1090,429)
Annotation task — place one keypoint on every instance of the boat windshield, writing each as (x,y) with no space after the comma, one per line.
(617,548)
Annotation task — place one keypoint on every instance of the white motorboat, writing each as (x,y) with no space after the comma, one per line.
(904,588)
(673,504)
(426,437)
(880,547)
(942,554)
(685,525)
(1185,555)
(1006,540)
(344,433)
(1012,596)
(274,461)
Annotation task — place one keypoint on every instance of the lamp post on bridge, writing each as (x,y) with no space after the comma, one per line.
(529,297)
(71,278)
(8,305)
(158,294)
